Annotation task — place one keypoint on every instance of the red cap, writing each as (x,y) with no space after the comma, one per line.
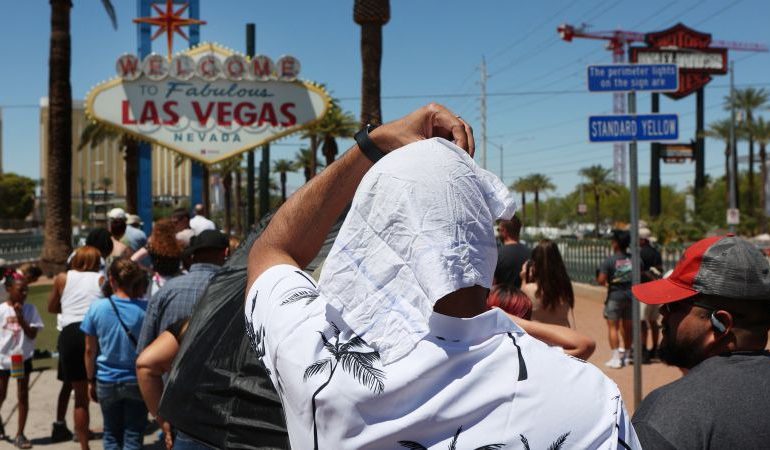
(681,283)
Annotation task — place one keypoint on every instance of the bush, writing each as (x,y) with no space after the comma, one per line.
(18,196)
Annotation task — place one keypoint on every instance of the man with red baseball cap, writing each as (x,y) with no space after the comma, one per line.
(716,316)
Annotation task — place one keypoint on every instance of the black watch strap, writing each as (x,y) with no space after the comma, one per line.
(366,145)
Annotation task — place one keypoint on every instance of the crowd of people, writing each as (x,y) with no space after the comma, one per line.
(120,291)
(425,329)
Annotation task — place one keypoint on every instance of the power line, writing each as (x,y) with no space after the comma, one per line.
(718,12)
(530,31)
(525,93)
(653,15)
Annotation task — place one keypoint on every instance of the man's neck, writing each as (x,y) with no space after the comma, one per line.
(510,241)
(463,303)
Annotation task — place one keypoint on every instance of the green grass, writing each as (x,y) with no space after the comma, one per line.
(46,338)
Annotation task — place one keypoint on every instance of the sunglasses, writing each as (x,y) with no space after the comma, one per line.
(684,305)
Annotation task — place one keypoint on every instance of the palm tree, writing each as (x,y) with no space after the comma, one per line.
(360,364)
(371,15)
(94,134)
(747,101)
(58,221)
(721,130)
(313,134)
(522,185)
(282,166)
(761,132)
(303,159)
(538,183)
(225,170)
(600,184)
(336,123)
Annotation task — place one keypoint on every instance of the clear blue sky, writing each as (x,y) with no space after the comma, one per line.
(432,51)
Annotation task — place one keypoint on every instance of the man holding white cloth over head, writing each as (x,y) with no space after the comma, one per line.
(395,348)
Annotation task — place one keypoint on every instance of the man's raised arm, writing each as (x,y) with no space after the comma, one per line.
(297,231)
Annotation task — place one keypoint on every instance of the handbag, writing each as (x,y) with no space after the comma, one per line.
(131,336)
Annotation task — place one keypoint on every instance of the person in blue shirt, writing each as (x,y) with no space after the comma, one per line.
(111,326)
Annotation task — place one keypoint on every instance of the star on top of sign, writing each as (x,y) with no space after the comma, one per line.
(170,22)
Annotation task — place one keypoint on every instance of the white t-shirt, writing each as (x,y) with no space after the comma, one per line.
(12,337)
(80,290)
(470,383)
(199,224)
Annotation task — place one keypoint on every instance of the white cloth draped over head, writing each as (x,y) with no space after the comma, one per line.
(421,226)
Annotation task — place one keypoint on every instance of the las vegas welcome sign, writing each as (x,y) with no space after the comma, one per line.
(207,103)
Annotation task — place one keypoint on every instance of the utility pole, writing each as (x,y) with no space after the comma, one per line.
(732,175)
(483,113)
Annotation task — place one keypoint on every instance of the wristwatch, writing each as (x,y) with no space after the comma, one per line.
(366,145)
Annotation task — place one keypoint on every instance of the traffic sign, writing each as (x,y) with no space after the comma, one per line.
(633,77)
(733,216)
(627,128)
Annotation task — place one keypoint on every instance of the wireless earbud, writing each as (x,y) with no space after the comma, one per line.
(717,324)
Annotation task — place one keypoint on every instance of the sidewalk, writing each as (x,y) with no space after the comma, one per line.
(589,307)
(43,392)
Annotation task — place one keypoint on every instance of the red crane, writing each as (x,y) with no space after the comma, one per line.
(617,41)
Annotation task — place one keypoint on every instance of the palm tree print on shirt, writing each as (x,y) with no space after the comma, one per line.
(257,340)
(556,445)
(360,364)
(452,445)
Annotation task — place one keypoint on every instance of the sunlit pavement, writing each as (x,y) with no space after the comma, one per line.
(589,303)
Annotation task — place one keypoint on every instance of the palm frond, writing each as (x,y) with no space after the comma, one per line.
(317,367)
(559,442)
(413,445)
(453,444)
(328,345)
(354,342)
(490,447)
(524,442)
(111,13)
(361,366)
(335,328)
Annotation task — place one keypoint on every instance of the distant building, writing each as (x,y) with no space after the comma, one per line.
(91,167)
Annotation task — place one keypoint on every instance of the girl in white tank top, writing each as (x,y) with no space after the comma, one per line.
(80,290)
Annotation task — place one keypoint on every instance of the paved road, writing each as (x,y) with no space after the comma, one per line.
(588,315)
(589,303)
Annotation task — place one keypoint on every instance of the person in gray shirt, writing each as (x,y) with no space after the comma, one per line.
(716,317)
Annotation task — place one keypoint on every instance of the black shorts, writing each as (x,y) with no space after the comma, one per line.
(72,351)
(27,369)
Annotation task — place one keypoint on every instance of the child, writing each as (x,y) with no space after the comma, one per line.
(19,324)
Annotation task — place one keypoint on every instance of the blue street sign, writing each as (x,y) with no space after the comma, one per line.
(633,77)
(626,128)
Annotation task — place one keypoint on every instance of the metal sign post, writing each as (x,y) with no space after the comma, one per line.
(635,260)
(632,128)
